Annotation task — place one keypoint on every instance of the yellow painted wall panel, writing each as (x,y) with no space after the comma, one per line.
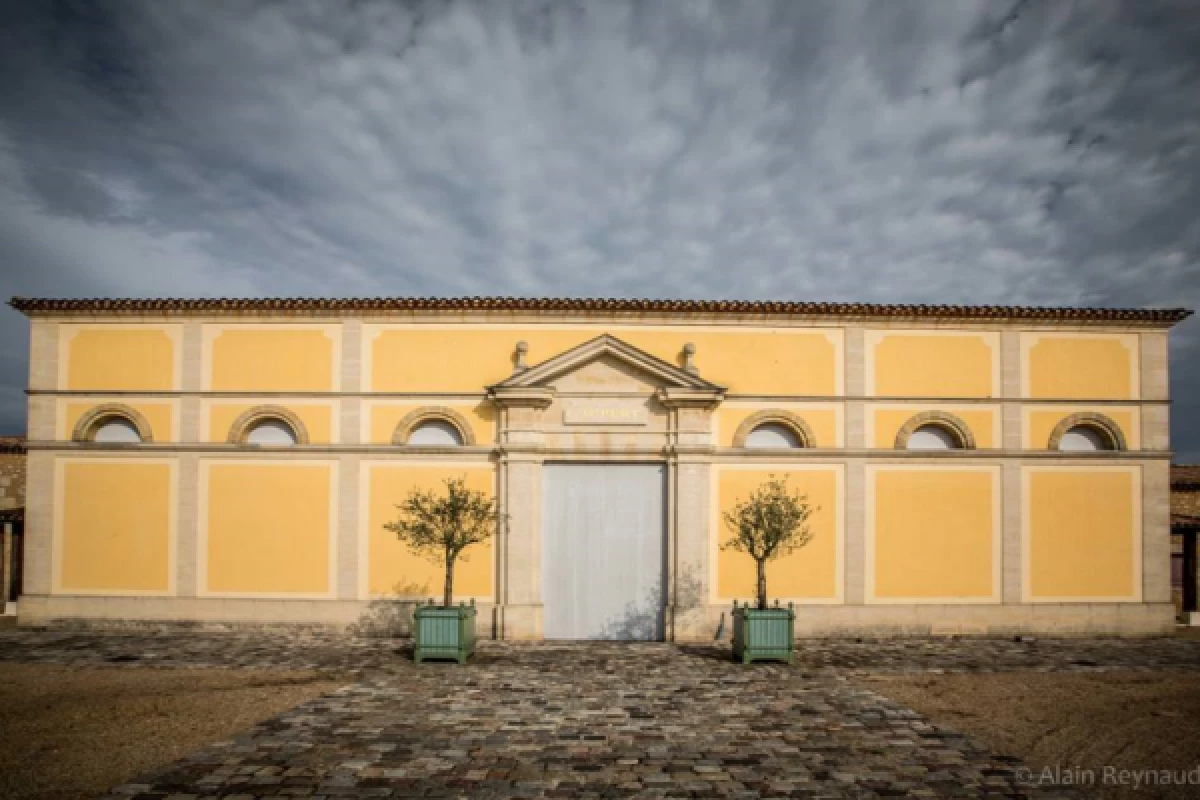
(811,571)
(317,418)
(159,415)
(823,422)
(121,359)
(466,360)
(1083,533)
(116,526)
(1079,367)
(267,360)
(481,416)
(888,422)
(393,568)
(934,534)
(1042,423)
(934,366)
(268,528)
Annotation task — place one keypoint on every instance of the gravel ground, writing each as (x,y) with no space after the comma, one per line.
(1067,721)
(71,732)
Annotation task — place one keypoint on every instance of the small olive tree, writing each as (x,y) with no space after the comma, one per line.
(772,522)
(438,526)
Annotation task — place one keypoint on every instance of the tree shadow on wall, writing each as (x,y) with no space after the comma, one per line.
(391,615)
(645,619)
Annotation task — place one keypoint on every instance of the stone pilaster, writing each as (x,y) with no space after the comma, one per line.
(1152,358)
(1011,565)
(350,378)
(521,613)
(854,375)
(187,525)
(1010,388)
(1156,532)
(855,535)
(191,381)
(42,411)
(349,528)
(39,522)
(43,354)
(692,537)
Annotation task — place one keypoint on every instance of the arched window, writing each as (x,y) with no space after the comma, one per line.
(435,433)
(433,426)
(1086,432)
(935,430)
(772,436)
(113,423)
(932,437)
(116,430)
(773,429)
(271,432)
(268,425)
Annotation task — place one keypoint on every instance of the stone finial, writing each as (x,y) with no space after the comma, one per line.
(689,358)
(522,351)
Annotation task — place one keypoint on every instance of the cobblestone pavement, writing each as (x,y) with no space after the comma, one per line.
(589,720)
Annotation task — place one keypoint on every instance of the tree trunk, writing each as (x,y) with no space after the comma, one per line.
(762,585)
(448,597)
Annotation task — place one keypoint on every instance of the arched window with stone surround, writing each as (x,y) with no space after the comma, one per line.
(1086,432)
(113,423)
(773,430)
(268,426)
(935,430)
(433,426)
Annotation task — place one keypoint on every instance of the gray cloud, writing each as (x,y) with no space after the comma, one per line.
(886,151)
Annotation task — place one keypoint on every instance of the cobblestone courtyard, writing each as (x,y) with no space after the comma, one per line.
(601,720)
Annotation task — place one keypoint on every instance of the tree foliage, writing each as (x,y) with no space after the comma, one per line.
(439,526)
(771,522)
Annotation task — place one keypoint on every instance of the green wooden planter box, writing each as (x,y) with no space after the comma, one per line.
(440,632)
(764,635)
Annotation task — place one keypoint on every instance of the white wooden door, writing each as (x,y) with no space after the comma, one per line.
(603,543)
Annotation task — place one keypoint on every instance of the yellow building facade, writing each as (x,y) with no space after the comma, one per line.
(973,469)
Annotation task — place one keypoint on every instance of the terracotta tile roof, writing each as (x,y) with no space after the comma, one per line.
(12,444)
(42,305)
(1185,476)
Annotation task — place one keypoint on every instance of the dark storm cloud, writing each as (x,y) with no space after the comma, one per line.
(890,151)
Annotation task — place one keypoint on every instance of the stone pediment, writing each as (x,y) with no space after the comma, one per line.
(605,365)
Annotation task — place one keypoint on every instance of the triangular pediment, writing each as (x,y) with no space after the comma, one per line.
(606,364)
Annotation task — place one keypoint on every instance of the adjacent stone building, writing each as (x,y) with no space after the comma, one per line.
(12,520)
(976,469)
(1185,527)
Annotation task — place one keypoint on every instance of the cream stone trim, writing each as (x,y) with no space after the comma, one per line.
(942,419)
(716,527)
(366,467)
(56,547)
(213,331)
(803,433)
(1109,430)
(245,422)
(1027,535)
(92,420)
(68,331)
(417,417)
(869,529)
(873,337)
(331,402)
(1131,341)
(202,506)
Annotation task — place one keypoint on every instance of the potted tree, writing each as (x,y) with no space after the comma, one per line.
(772,522)
(439,526)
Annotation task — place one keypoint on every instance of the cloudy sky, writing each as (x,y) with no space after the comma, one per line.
(998,152)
